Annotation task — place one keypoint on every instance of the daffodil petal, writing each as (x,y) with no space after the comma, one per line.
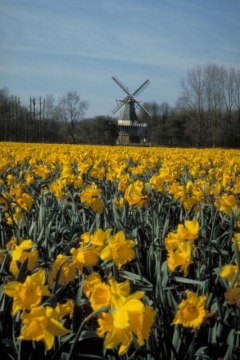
(106,254)
(56,328)
(134,305)
(39,277)
(48,339)
(10,288)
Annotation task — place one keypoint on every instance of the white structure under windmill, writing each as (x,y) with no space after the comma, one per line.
(129,127)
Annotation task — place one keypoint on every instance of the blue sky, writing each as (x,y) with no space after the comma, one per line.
(56,46)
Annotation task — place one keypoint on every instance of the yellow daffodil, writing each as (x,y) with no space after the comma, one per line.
(92,196)
(28,294)
(191,312)
(228,203)
(100,296)
(156,182)
(118,249)
(123,182)
(232,295)
(86,237)
(171,241)
(189,231)
(57,188)
(127,315)
(84,256)
(100,237)
(25,201)
(29,177)
(40,324)
(135,196)
(141,324)
(11,179)
(180,257)
(228,272)
(121,289)
(89,283)
(16,190)
(191,203)
(22,252)
(65,309)
(67,271)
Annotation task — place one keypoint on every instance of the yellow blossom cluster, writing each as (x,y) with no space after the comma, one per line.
(190,176)
(42,323)
(73,215)
(231,272)
(39,322)
(180,244)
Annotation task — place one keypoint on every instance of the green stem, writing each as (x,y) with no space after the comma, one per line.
(103,309)
(19,350)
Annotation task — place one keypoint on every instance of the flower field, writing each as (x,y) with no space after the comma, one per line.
(119,252)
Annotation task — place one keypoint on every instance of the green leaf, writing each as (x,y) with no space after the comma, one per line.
(23,271)
(230,340)
(87,334)
(188,281)
(134,277)
(176,342)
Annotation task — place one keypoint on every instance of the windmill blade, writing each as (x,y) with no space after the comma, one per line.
(115,109)
(141,88)
(142,107)
(118,107)
(120,84)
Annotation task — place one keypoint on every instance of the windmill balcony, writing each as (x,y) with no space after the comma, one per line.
(131,123)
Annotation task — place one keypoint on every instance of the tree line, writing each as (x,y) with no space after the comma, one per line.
(206,114)
(45,121)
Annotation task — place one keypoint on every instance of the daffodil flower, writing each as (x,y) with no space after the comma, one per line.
(127,315)
(135,196)
(191,312)
(41,324)
(228,272)
(67,271)
(232,295)
(28,294)
(92,196)
(118,249)
(20,253)
(84,256)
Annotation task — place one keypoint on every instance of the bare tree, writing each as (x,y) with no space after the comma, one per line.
(50,107)
(237,100)
(214,92)
(230,76)
(207,100)
(72,110)
(192,98)
(5,113)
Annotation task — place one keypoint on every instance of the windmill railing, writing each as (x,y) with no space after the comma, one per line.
(130,130)
(131,123)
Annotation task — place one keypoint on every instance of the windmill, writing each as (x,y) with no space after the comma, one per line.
(129,127)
